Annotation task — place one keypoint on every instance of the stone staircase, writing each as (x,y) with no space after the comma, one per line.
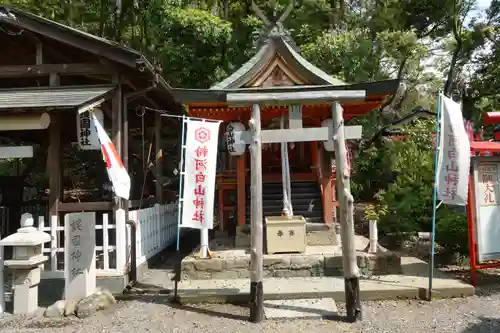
(306,201)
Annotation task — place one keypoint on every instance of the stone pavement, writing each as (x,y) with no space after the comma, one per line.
(412,284)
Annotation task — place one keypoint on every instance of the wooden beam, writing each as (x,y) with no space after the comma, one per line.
(116,119)
(47,69)
(24,121)
(296,97)
(69,207)
(16,152)
(62,57)
(299,134)
(134,87)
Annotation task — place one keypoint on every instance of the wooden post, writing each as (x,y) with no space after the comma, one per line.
(2,285)
(241,185)
(159,160)
(256,246)
(351,271)
(54,169)
(117,124)
(39,53)
(125,135)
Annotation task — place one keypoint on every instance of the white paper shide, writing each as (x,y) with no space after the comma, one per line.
(199,174)
(454,155)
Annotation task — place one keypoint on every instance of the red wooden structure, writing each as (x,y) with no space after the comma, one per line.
(479,148)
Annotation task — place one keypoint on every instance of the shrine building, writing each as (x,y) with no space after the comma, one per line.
(279,63)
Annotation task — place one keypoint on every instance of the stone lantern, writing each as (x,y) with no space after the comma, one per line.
(25,264)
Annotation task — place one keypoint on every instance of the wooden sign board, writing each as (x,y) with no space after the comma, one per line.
(486,189)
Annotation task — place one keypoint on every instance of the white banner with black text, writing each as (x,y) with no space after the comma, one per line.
(454,155)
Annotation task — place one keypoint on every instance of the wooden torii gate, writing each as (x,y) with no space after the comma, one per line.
(255,137)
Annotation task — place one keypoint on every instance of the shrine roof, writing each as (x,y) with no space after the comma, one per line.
(379,88)
(52,97)
(75,45)
(277,45)
(485,146)
(491,118)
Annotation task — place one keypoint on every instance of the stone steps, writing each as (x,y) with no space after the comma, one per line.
(306,200)
(236,266)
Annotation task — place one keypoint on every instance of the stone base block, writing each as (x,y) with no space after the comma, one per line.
(287,265)
(322,237)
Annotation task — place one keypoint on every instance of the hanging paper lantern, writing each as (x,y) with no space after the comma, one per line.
(328,144)
(86,131)
(235,149)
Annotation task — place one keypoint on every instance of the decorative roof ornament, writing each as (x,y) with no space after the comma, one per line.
(274,27)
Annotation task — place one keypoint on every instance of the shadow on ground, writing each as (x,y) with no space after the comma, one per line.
(485,325)
(234,311)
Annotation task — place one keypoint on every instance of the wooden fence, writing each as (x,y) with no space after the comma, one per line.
(156,230)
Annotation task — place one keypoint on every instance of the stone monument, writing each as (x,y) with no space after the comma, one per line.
(25,263)
(80,268)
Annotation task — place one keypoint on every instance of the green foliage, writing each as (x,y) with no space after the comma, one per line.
(200,42)
(452,230)
(404,205)
(191,44)
(376,211)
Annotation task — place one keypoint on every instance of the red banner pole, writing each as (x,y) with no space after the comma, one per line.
(472,239)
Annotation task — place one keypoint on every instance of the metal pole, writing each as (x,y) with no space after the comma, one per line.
(204,250)
(2,285)
(434,197)
(351,271)
(179,208)
(256,262)
(181,178)
(204,246)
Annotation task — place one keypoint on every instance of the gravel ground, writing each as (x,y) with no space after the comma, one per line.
(154,314)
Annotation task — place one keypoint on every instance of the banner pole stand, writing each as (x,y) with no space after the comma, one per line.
(434,197)
(204,248)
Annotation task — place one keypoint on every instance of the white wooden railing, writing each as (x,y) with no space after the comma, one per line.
(156,230)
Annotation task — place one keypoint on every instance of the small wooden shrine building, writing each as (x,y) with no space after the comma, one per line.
(278,65)
(48,73)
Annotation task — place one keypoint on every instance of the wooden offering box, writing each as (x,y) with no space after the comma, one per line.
(285,234)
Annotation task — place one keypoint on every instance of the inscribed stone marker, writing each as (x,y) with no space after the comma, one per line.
(80,270)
